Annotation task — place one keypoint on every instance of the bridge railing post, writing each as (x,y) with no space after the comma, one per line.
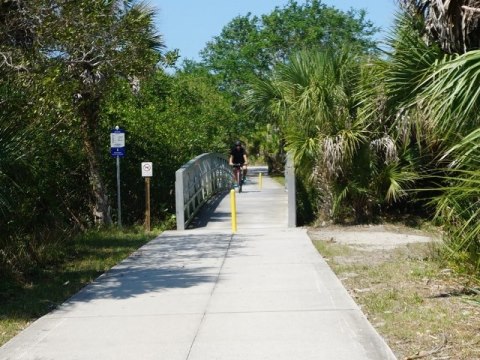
(292,190)
(179,200)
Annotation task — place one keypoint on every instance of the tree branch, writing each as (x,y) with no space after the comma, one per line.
(7,60)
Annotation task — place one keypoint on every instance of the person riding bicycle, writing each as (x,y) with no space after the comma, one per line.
(238,155)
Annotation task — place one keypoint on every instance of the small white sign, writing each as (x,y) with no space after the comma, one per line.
(117,140)
(147,169)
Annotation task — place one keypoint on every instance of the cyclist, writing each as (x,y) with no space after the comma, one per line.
(238,155)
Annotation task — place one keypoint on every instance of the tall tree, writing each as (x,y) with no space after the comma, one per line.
(85,46)
(351,163)
(429,102)
(249,46)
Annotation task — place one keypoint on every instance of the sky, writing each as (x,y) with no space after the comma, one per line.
(188,25)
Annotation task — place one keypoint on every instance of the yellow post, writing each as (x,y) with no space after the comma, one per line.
(233,209)
(260,181)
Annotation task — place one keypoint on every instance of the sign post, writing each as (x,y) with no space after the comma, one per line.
(117,150)
(147,173)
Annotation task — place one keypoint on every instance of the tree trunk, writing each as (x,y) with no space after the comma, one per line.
(89,114)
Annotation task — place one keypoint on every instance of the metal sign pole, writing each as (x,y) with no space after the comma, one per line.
(119,207)
(117,150)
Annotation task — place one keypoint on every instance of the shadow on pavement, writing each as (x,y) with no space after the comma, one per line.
(210,213)
(168,262)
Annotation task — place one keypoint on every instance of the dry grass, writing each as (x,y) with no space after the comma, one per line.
(420,306)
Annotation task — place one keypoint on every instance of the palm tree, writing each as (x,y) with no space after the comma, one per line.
(313,99)
(432,91)
(453,25)
(459,204)
(452,101)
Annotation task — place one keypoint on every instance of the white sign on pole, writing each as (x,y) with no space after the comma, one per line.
(147,169)
(117,140)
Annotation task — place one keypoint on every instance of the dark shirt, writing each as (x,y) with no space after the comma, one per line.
(237,154)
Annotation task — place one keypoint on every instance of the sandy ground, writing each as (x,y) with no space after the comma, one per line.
(371,237)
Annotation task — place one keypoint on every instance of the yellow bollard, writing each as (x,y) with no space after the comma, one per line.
(233,209)
(260,181)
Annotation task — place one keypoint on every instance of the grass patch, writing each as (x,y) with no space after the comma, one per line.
(413,300)
(328,251)
(42,290)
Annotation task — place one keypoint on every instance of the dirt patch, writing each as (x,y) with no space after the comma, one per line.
(420,306)
(371,238)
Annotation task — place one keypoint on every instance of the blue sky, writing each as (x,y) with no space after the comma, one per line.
(189,24)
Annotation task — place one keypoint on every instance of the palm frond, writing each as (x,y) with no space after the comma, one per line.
(451,94)
(399,180)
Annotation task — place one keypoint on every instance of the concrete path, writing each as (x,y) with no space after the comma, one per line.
(205,294)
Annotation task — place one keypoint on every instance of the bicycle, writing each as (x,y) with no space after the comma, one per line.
(238,175)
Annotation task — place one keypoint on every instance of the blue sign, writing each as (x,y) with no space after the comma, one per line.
(117,142)
(117,152)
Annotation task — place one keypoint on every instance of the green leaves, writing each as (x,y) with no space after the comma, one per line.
(309,98)
(458,205)
(59,60)
(313,100)
(452,92)
(249,47)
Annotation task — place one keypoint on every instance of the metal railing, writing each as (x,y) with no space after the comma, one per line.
(196,182)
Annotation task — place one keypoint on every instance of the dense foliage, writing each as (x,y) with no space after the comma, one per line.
(446,103)
(373,135)
(69,73)
(391,135)
(249,46)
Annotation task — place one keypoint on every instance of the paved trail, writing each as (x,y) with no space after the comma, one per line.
(263,293)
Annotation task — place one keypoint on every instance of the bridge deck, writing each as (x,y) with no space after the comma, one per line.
(265,208)
(262,293)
